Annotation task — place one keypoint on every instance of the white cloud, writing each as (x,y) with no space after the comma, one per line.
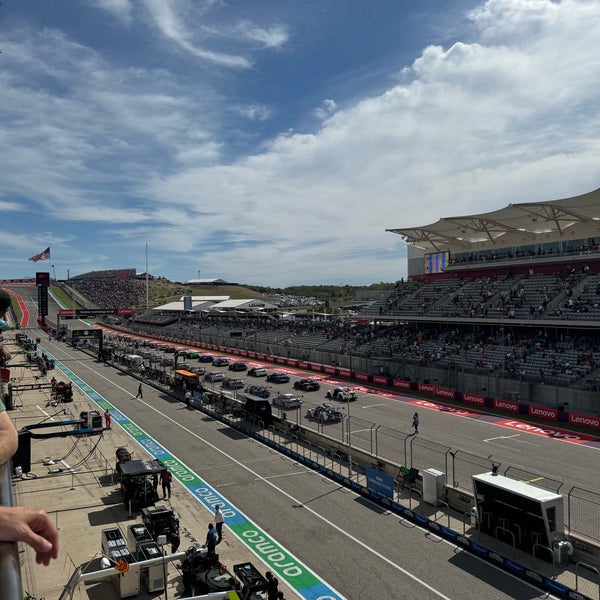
(274,37)
(327,107)
(258,112)
(121,9)
(170,22)
(146,154)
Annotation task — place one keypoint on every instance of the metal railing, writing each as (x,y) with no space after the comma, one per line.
(10,572)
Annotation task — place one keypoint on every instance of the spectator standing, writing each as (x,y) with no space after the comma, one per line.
(415,422)
(219,520)
(188,398)
(107,418)
(174,536)
(211,539)
(165,480)
(140,393)
(272,586)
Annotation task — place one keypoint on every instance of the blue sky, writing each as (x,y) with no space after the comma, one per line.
(273,142)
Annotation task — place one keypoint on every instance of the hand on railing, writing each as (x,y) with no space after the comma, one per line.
(32,526)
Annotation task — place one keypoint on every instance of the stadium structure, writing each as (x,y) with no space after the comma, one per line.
(504,304)
(525,232)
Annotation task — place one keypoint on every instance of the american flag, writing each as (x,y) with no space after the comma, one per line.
(45,255)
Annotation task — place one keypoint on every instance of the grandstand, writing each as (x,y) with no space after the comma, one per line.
(503,304)
(110,289)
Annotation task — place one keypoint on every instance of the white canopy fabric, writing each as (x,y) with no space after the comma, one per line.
(516,225)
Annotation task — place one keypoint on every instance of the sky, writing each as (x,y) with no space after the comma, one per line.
(273,142)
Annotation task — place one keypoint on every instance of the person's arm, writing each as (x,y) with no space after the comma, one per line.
(9,438)
(32,526)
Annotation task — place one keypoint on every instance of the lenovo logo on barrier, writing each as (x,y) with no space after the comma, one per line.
(444,393)
(473,399)
(506,405)
(545,413)
(585,420)
(401,383)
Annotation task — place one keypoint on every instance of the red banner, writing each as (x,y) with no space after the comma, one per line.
(330,370)
(380,379)
(344,372)
(445,393)
(506,405)
(426,387)
(543,412)
(473,398)
(362,376)
(401,383)
(584,420)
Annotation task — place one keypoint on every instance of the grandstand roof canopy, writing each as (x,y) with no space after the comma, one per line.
(516,225)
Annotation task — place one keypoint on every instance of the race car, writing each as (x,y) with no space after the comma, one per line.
(306,384)
(344,394)
(326,413)
(258,372)
(214,376)
(232,383)
(287,401)
(237,365)
(278,377)
(220,361)
(262,391)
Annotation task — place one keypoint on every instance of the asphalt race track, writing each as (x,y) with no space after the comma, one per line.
(359,549)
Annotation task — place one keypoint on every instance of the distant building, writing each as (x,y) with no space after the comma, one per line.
(207,282)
